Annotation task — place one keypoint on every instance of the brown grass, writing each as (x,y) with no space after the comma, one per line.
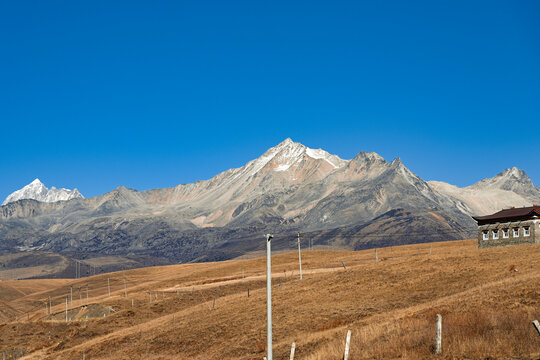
(390,307)
(470,335)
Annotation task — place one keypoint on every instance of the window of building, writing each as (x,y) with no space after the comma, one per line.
(516,232)
(485,235)
(495,234)
(506,233)
(526,231)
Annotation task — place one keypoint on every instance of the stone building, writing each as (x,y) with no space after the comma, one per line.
(509,227)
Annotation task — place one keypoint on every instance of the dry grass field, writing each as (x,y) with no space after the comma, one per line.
(487,298)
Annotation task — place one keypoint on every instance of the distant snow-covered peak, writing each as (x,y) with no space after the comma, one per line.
(37,191)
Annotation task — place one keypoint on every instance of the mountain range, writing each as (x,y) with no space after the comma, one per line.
(358,203)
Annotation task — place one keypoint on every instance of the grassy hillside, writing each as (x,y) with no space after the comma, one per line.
(487,297)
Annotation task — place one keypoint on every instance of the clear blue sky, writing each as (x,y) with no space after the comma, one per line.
(97,94)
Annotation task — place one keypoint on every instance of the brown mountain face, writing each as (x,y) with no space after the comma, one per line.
(289,188)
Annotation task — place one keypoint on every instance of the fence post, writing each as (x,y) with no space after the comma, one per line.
(343,264)
(438,337)
(293,348)
(430,248)
(347,345)
(376,256)
(536,325)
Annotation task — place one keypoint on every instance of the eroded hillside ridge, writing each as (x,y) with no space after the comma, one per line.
(287,189)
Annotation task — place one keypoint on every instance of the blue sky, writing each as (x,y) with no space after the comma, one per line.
(99,94)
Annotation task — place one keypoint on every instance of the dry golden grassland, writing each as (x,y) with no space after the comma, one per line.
(487,298)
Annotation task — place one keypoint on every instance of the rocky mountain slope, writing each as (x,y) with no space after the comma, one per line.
(289,189)
(512,187)
(37,191)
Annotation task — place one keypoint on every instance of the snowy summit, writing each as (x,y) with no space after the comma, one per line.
(37,191)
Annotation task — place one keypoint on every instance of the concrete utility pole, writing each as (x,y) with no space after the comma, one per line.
(438,335)
(536,325)
(66,308)
(299,255)
(71,295)
(347,345)
(269,295)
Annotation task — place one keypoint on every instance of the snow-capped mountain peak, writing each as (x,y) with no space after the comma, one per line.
(288,153)
(37,191)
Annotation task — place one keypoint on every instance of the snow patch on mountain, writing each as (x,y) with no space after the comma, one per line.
(37,191)
(282,167)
